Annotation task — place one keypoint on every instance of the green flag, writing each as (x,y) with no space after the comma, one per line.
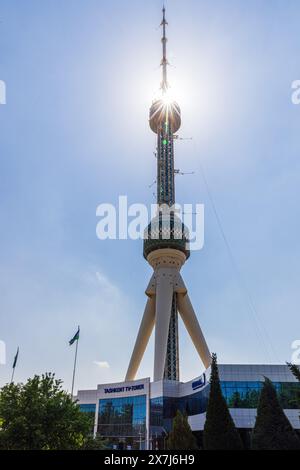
(75,337)
(16,359)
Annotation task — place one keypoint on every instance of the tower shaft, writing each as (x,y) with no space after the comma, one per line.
(166,195)
(165,165)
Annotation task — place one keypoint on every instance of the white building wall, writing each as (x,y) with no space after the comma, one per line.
(126,390)
(243,418)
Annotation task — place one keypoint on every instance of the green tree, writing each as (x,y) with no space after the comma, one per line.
(295,370)
(219,429)
(97,443)
(181,436)
(272,430)
(40,415)
(235,401)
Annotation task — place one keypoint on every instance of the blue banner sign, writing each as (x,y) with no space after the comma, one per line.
(199,383)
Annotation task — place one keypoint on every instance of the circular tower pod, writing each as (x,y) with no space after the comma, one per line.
(161,112)
(166,231)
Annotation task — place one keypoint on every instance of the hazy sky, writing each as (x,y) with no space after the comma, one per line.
(74,133)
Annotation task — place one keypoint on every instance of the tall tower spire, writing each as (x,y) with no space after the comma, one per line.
(164,61)
(166,250)
(165,120)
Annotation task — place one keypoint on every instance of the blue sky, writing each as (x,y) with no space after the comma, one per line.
(74,133)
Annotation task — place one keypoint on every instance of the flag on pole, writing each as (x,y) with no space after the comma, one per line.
(75,337)
(14,366)
(16,359)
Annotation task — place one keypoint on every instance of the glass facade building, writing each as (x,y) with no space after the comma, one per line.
(163,409)
(238,394)
(88,408)
(246,394)
(123,417)
(139,414)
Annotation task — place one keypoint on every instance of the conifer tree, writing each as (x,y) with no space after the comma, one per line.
(219,429)
(272,430)
(181,436)
(295,370)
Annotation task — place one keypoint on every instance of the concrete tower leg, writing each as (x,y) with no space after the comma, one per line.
(192,325)
(142,339)
(164,299)
(166,282)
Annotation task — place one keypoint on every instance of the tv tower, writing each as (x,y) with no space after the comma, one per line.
(166,249)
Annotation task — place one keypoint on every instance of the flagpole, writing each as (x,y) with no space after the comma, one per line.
(75,362)
(14,366)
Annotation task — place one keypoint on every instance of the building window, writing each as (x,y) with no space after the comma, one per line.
(246,394)
(123,417)
(237,395)
(90,410)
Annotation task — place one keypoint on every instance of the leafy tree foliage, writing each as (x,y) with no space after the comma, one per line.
(41,415)
(181,436)
(97,443)
(220,432)
(272,430)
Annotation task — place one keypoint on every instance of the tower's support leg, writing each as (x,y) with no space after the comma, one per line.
(192,325)
(164,298)
(142,339)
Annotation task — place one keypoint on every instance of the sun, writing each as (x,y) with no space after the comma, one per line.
(167,98)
